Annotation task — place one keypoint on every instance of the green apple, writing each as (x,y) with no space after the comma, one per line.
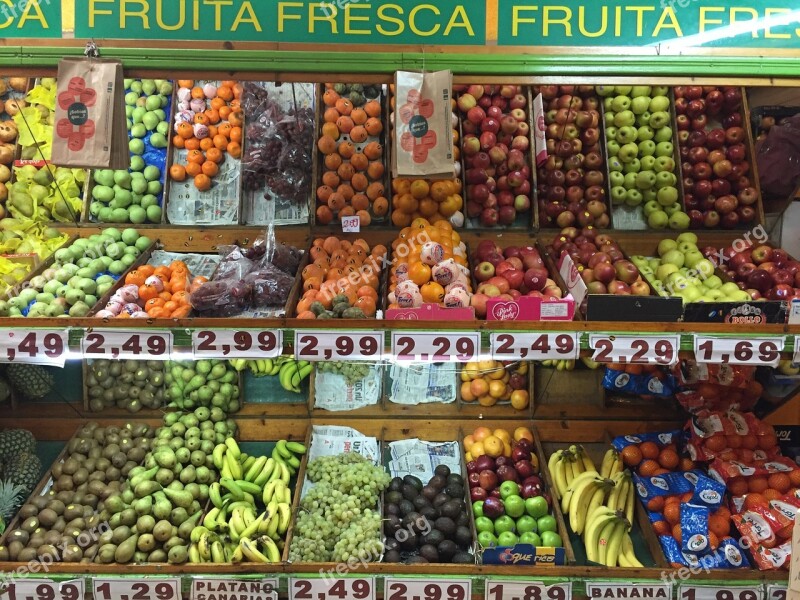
(666,245)
(633,166)
(639,105)
(654,263)
(618,194)
(647,148)
(487,539)
(643,119)
(660,90)
(703,266)
(484,524)
(665,163)
(691,293)
(609,119)
(546,523)
(550,539)
(679,220)
(530,537)
(671,209)
(665,179)
(615,178)
(687,247)
(624,118)
(687,236)
(614,163)
(641,90)
(658,119)
(633,197)
(650,207)
(504,523)
(623,90)
(477,508)
(667,196)
(536,506)
(664,149)
(713,294)
(620,103)
(645,180)
(664,134)
(507,539)
(659,104)
(639,260)
(658,220)
(729,288)
(508,489)
(628,152)
(611,132)
(630,179)
(713,282)
(673,257)
(740,296)
(625,134)
(648,161)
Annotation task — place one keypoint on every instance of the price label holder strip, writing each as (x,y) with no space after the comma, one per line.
(134,588)
(242,343)
(527,589)
(37,346)
(720,591)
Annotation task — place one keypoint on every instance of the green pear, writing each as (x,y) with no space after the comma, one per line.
(151,120)
(79,309)
(158,140)
(43,177)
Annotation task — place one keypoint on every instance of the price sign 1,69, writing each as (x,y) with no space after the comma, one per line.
(520,590)
(39,346)
(119,344)
(46,589)
(130,589)
(436,347)
(714,592)
(632,349)
(534,346)
(315,346)
(222,343)
(757,351)
(395,588)
(361,588)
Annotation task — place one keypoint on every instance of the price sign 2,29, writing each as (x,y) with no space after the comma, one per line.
(436,347)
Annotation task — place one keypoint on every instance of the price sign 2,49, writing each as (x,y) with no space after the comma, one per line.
(114,343)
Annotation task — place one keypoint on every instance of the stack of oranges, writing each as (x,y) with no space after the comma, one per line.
(669,509)
(429,266)
(648,459)
(432,200)
(353,169)
(163,292)
(341,268)
(208,124)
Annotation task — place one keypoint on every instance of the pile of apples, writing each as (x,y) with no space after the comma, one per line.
(488,382)
(496,151)
(763,272)
(571,184)
(510,273)
(716,187)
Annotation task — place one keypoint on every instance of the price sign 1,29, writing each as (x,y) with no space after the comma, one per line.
(315,346)
(39,346)
(119,344)
(436,347)
(760,351)
(632,349)
(361,588)
(713,592)
(395,588)
(527,590)
(130,589)
(46,589)
(534,346)
(244,343)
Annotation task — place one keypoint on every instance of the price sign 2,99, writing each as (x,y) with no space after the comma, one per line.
(395,588)
(39,346)
(316,346)
(223,343)
(46,589)
(524,590)
(436,347)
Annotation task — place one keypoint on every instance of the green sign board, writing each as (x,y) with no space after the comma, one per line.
(30,18)
(676,23)
(376,22)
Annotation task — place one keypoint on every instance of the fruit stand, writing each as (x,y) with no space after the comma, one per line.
(567,369)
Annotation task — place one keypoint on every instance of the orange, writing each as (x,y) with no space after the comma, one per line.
(669,459)
(367,305)
(757,484)
(202,182)
(493,446)
(649,449)
(754,500)
(648,468)
(420,189)
(192,144)
(373,108)
(225,93)
(373,126)
(177,173)
(147,292)
(210,168)
(206,144)
(419,273)
(373,150)
(135,277)
(236,134)
(432,292)
(234,149)
(523,432)
(330,97)
(333,161)
(214,154)
(656,504)
(358,134)
(193,169)
(631,455)
(344,106)
(737,486)
(780,482)
(719,526)
(220,141)
(196,156)
(185,130)
(178,141)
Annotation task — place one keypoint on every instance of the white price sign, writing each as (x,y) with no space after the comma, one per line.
(131,589)
(776,591)
(207,588)
(396,588)
(528,590)
(361,588)
(315,346)
(635,349)
(351,224)
(796,352)
(38,346)
(534,346)
(716,592)
(122,344)
(619,591)
(756,351)
(45,589)
(245,343)
(436,347)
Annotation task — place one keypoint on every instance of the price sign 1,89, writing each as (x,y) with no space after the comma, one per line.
(534,346)
(46,589)
(118,343)
(395,588)
(632,349)
(713,592)
(760,351)
(222,343)
(39,346)
(315,346)
(361,588)
(130,589)
(523,590)
(436,347)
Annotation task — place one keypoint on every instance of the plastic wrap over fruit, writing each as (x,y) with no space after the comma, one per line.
(778,158)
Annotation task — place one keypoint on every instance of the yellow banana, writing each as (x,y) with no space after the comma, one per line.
(194,554)
(215,495)
(217,552)
(233,465)
(285,512)
(233,448)
(266,471)
(218,455)
(251,552)
(210,520)
(271,549)
(255,469)
(230,485)
(280,446)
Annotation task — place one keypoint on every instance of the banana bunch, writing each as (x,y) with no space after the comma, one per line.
(559,365)
(599,505)
(232,530)
(590,363)
(290,372)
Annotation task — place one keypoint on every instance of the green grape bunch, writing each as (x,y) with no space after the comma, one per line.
(353,372)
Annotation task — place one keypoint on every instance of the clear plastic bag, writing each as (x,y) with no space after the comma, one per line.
(778,158)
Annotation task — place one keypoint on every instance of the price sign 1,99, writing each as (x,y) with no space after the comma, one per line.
(355,588)
(119,344)
(526,590)
(46,589)
(760,351)
(131,589)
(632,349)
(534,346)
(38,346)
(714,592)
(244,343)
(315,346)
(436,347)
(395,588)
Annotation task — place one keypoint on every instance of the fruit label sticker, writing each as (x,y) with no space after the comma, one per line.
(534,346)
(760,351)
(130,589)
(45,589)
(40,346)
(436,347)
(315,346)
(614,591)
(362,588)
(711,592)
(351,224)
(225,343)
(122,344)
(629,349)
(212,588)
(497,589)
(396,588)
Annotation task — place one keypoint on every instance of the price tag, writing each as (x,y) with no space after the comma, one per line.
(45,589)
(362,588)
(38,346)
(436,347)
(130,589)
(635,349)
(206,588)
(688,591)
(331,345)
(616,591)
(534,346)
(528,590)
(796,353)
(396,588)
(776,591)
(246,343)
(121,344)
(351,224)
(758,351)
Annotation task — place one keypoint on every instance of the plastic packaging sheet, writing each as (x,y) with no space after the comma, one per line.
(422,383)
(778,158)
(199,264)
(420,458)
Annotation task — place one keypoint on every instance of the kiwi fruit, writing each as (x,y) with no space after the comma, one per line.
(72,554)
(28,510)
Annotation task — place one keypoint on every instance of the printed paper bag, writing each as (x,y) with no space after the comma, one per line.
(423,139)
(86,103)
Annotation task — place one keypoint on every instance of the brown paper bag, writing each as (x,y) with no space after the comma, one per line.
(89,106)
(423,139)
